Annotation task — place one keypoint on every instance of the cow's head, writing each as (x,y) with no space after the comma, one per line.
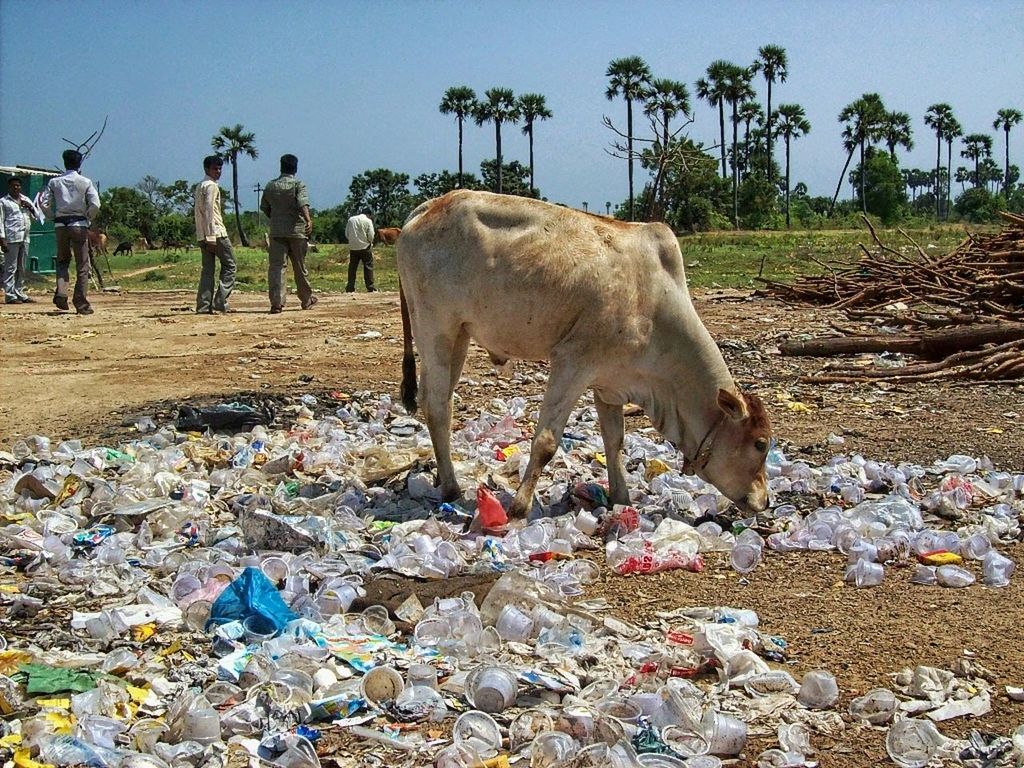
(731,454)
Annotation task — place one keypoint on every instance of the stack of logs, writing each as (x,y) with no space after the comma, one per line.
(978,287)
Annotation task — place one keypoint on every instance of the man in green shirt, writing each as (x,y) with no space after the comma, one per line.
(286,204)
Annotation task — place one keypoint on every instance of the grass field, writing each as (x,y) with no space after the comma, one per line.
(715,259)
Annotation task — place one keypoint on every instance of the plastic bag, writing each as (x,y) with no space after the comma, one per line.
(251,594)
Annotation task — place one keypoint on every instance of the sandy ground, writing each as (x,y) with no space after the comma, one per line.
(142,353)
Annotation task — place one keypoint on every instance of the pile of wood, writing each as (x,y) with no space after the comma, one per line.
(978,288)
(982,278)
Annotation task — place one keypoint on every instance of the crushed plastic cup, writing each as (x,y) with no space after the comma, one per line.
(457,756)
(513,624)
(954,576)
(202,725)
(925,575)
(726,735)
(479,731)
(818,689)
(421,674)
(491,688)
(99,730)
(377,621)
(777,758)
(997,569)
(654,760)
(913,743)
(876,707)
(550,748)
(526,726)
(381,684)
(795,738)
(976,546)
(685,740)
(863,573)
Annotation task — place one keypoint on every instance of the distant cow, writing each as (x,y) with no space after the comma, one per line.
(387,235)
(97,242)
(125,246)
(605,302)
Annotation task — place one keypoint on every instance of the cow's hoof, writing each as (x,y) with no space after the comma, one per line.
(451,494)
(518,511)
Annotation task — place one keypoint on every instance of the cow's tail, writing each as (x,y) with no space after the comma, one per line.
(408,357)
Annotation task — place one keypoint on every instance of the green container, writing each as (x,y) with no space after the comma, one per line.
(42,249)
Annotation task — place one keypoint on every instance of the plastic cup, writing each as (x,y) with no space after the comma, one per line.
(478,731)
(587,522)
(422,674)
(877,706)
(381,684)
(492,689)
(551,748)
(976,546)
(726,735)
(623,710)
(526,726)
(513,624)
(954,576)
(202,726)
(818,690)
(685,741)
(258,629)
(377,621)
(744,558)
(913,743)
(863,573)
(997,569)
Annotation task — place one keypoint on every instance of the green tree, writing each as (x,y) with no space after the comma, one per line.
(499,107)
(126,214)
(430,185)
(532,107)
(978,205)
(897,132)
(176,197)
(230,143)
(383,192)
(737,90)
(952,132)
(628,77)
(885,195)
(749,112)
(459,100)
(938,118)
(711,89)
(773,63)
(976,147)
(1006,119)
(791,123)
(990,174)
(515,175)
(863,120)
(665,100)
(695,194)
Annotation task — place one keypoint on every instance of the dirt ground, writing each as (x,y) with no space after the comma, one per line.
(141,353)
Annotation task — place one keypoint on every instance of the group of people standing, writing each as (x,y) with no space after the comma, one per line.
(72,201)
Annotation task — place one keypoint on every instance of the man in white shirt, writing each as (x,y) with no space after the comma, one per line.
(359,233)
(213,242)
(16,213)
(71,200)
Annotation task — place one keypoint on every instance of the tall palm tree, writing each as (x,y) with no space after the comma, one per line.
(499,107)
(532,107)
(896,132)
(749,112)
(772,63)
(792,123)
(863,119)
(628,77)
(459,101)
(1004,122)
(737,90)
(229,143)
(953,130)
(937,117)
(712,90)
(664,100)
(976,146)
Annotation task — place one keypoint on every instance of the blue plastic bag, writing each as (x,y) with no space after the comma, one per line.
(251,594)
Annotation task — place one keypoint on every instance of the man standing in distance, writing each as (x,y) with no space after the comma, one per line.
(16,213)
(71,200)
(359,233)
(286,204)
(214,243)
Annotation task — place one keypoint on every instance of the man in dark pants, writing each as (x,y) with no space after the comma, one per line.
(213,242)
(359,233)
(286,204)
(71,200)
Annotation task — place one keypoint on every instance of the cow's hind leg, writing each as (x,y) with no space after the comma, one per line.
(442,360)
(565,385)
(612,432)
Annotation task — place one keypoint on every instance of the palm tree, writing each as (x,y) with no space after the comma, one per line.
(712,90)
(749,112)
(896,132)
(459,101)
(1004,122)
(229,143)
(863,119)
(952,131)
(737,90)
(532,107)
(628,77)
(499,107)
(976,146)
(772,63)
(792,124)
(664,100)
(937,118)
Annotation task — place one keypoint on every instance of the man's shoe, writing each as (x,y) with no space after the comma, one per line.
(312,301)
(276,310)
(86,311)
(27,300)
(227,311)
(12,301)
(350,290)
(61,302)
(372,290)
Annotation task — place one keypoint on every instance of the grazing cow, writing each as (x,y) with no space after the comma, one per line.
(387,235)
(125,246)
(605,302)
(97,242)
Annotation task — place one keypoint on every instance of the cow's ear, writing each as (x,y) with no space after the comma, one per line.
(732,404)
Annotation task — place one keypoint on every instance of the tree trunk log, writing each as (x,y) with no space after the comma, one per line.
(932,344)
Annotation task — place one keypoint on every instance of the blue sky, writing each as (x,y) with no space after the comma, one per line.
(351,86)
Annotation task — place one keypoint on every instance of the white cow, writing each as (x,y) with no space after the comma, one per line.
(604,301)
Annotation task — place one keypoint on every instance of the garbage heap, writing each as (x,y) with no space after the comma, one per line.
(186,599)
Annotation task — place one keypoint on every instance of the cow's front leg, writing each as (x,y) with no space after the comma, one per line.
(565,385)
(612,431)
